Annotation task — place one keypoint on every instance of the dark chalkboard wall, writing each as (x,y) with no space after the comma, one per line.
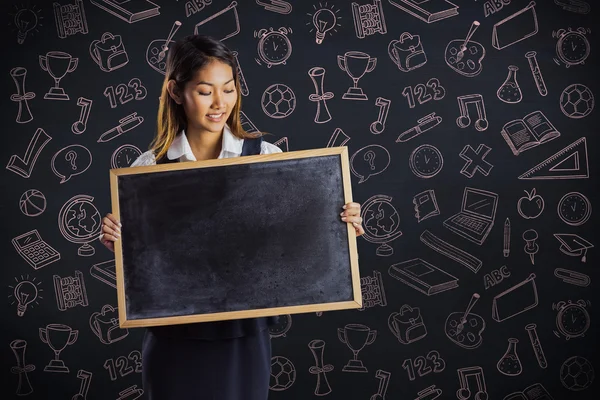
(420,261)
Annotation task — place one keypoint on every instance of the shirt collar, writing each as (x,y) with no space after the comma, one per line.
(231,146)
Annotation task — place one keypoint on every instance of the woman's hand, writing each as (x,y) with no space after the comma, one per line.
(351,214)
(111,231)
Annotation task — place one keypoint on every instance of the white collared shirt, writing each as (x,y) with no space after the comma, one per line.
(231,146)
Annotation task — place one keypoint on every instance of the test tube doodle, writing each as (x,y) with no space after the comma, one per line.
(537,74)
(537,346)
(243,84)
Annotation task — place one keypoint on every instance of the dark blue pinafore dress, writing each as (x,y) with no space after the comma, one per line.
(222,360)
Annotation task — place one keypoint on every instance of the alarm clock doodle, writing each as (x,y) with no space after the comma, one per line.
(282,326)
(572,318)
(274,46)
(572,47)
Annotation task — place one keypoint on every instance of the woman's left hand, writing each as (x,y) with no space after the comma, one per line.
(351,214)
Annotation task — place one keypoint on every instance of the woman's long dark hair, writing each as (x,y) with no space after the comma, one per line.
(185,57)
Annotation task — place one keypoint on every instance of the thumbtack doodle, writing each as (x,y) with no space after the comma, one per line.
(531,247)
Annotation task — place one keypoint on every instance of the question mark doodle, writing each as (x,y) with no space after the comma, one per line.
(71,155)
(370,156)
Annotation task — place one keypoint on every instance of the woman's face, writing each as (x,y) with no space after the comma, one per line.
(209,97)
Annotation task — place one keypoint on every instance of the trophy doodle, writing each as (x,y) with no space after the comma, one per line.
(58,336)
(356,64)
(356,337)
(58,64)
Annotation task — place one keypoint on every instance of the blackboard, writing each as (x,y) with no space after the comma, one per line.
(234,238)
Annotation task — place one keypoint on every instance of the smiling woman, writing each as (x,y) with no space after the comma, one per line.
(201,96)
(208,99)
(199,119)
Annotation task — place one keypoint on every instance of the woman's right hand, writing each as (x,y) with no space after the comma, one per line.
(111,231)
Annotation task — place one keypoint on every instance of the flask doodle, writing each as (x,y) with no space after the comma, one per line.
(71,160)
(368,161)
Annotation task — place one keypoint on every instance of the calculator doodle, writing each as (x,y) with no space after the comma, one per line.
(34,250)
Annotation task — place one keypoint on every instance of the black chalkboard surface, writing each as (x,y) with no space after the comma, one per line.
(234,238)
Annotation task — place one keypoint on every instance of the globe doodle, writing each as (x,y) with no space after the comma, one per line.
(82,219)
(381,223)
(80,222)
(381,219)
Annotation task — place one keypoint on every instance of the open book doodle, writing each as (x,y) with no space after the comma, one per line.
(528,132)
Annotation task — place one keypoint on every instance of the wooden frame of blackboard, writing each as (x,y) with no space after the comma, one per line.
(355,302)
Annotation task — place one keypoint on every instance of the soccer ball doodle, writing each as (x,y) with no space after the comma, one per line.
(576,373)
(283,373)
(278,101)
(576,101)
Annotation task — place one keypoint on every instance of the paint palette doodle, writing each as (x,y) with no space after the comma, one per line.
(157,50)
(465,328)
(465,55)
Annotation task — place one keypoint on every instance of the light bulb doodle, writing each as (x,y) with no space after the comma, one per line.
(25,292)
(25,20)
(325,20)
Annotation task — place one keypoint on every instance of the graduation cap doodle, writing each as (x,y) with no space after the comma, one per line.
(573,245)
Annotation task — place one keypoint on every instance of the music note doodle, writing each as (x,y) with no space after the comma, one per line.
(79,126)
(481,124)
(86,378)
(384,380)
(464,393)
(384,107)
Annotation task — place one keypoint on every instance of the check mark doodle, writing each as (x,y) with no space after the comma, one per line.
(24,166)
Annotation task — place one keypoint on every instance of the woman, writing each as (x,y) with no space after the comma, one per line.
(199,119)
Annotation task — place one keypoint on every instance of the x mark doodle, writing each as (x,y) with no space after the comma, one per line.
(475,160)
